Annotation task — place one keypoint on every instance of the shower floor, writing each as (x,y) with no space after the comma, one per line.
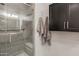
(23,54)
(27,45)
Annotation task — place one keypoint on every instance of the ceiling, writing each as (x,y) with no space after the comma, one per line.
(23,8)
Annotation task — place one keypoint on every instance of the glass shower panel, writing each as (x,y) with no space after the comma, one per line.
(16,30)
(13,17)
(3,17)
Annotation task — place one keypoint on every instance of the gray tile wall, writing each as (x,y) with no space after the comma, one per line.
(11,43)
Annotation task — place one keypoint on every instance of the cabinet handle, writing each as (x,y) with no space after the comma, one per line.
(64,24)
(67,25)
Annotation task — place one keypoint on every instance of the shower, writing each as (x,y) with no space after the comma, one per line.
(16,29)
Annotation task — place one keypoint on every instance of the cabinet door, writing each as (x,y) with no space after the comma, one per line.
(51,12)
(73,21)
(57,16)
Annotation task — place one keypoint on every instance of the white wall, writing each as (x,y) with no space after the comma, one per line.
(41,10)
(63,43)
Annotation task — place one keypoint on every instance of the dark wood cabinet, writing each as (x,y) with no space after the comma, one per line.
(64,17)
(73,17)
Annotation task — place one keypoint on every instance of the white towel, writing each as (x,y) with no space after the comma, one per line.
(40,26)
(46,27)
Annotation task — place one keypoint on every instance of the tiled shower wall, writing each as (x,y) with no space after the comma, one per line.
(28,32)
(28,36)
(11,43)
